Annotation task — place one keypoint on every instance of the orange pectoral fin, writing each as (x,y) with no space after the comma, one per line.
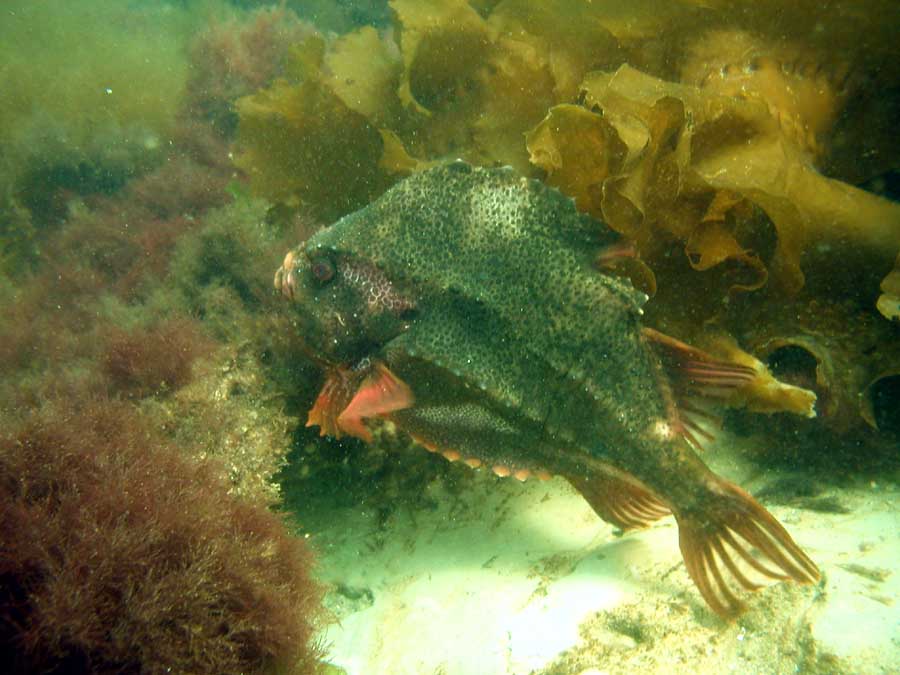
(381,393)
(335,395)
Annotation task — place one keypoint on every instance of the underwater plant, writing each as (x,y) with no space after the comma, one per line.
(137,526)
(300,144)
(234,56)
(223,265)
(118,554)
(143,362)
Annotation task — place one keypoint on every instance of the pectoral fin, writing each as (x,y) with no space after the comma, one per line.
(336,393)
(380,393)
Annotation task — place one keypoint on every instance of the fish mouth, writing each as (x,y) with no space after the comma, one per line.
(285,281)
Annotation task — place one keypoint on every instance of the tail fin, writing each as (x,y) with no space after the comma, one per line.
(733,531)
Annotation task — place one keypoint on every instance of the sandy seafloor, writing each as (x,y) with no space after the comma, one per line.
(518,579)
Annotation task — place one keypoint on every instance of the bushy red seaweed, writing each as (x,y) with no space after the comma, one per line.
(44,318)
(181,187)
(118,555)
(127,239)
(117,552)
(143,362)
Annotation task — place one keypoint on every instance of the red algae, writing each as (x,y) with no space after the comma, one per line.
(118,554)
(145,362)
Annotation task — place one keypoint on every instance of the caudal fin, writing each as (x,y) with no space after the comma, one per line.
(732,540)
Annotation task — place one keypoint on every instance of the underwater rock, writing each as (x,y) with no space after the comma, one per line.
(228,414)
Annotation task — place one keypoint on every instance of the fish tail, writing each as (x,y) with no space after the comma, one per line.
(731,539)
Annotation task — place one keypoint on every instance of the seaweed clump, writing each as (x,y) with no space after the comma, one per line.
(236,55)
(140,437)
(144,362)
(118,554)
(299,138)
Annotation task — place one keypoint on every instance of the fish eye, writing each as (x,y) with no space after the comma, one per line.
(322,270)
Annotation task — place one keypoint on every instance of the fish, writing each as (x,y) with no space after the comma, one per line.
(467,306)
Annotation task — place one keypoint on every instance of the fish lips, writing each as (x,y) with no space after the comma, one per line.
(286,275)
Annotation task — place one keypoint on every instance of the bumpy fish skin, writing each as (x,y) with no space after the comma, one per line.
(476,293)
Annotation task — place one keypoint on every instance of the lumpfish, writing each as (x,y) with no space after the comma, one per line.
(466,306)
